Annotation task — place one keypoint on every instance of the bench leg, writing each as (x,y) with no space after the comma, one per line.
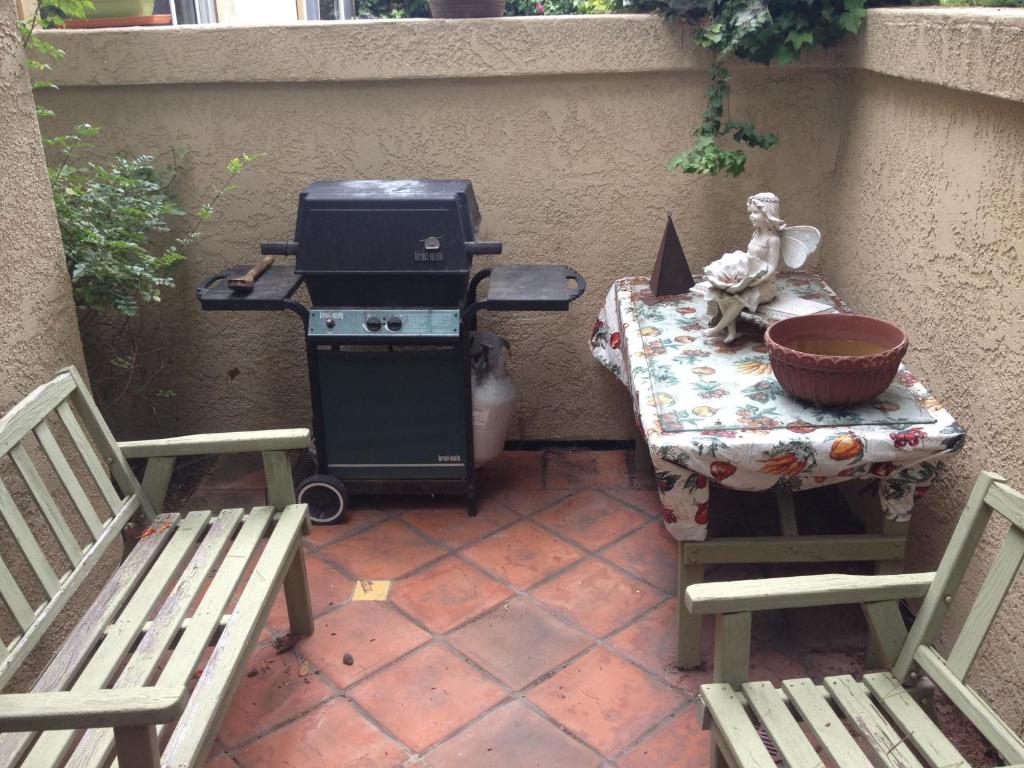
(717,758)
(137,746)
(296,595)
(688,649)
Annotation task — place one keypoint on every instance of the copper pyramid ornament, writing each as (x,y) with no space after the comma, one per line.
(671,273)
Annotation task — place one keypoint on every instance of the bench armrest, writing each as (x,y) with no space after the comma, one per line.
(802,592)
(219,442)
(62,710)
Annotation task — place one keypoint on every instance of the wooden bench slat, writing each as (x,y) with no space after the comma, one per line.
(195,731)
(90,629)
(219,443)
(998,582)
(957,557)
(106,444)
(122,634)
(92,749)
(27,542)
(828,729)
(99,709)
(855,702)
(923,733)
(23,417)
(44,500)
(68,587)
(785,731)
(802,592)
(734,726)
(985,719)
(67,477)
(15,598)
(204,622)
(92,462)
(1008,502)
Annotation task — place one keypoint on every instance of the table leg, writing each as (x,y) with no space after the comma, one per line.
(787,513)
(688,649)
(643,467)
(898,530)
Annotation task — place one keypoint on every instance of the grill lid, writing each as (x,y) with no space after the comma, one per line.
(387,227)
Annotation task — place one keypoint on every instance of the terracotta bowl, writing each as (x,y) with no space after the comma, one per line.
(835,359)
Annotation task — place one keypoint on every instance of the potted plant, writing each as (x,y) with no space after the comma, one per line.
(121,13)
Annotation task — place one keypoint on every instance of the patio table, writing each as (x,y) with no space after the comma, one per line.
(709,411)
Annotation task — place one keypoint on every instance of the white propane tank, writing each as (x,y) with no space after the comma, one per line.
(494,396)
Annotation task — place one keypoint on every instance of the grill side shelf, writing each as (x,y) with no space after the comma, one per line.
(271,291)
(526,288)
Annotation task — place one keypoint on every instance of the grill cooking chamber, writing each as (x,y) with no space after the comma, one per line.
(387,243)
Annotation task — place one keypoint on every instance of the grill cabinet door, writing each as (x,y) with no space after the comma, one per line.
(396,413)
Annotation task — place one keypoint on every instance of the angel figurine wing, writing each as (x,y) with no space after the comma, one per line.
(797,244)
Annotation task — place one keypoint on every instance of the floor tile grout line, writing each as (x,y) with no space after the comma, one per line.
(656,728)
(453,549)
(635,507)
(415,651)
(551,529)
(418,569)
(330,684)
(598,553)
(340,693)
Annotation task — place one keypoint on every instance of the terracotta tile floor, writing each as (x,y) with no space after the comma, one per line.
(539,633)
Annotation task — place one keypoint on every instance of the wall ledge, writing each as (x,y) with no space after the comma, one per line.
(980,50)
(969,49)
(376,50)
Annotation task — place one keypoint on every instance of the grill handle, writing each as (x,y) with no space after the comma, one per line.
(581,284)
(279,248)
(480,247)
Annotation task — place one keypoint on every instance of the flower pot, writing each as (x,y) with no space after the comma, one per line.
(466,9)
(835,359)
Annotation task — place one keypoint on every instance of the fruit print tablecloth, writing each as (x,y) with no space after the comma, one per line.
(714,410)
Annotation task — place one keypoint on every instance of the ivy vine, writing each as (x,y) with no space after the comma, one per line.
(773,32)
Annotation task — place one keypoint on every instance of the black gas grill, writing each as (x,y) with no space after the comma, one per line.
(387,266)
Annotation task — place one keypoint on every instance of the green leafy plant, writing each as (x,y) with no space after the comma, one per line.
(115,221)
(47,14)
(776,32)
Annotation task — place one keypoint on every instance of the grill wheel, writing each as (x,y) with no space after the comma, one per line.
(327,498)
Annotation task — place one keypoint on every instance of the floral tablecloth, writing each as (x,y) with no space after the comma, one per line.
(714,410)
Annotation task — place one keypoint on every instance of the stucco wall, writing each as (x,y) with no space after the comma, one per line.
(925,229)
(567,154)
(38,329)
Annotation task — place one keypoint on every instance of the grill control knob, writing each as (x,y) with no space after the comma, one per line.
(373,323)
(394,323)
(329,322)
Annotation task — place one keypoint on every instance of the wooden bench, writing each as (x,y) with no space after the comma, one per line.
(886,710)
(118,687)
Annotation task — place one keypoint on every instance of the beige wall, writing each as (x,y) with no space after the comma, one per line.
(567,154)
(40,332)
(907,150)
(38,329)
(926,228)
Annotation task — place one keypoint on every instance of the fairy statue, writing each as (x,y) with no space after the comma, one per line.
(742,280)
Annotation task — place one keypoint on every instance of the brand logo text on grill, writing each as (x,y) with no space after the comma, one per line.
(428,256)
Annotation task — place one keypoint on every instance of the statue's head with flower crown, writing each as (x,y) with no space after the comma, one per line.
(765,206)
